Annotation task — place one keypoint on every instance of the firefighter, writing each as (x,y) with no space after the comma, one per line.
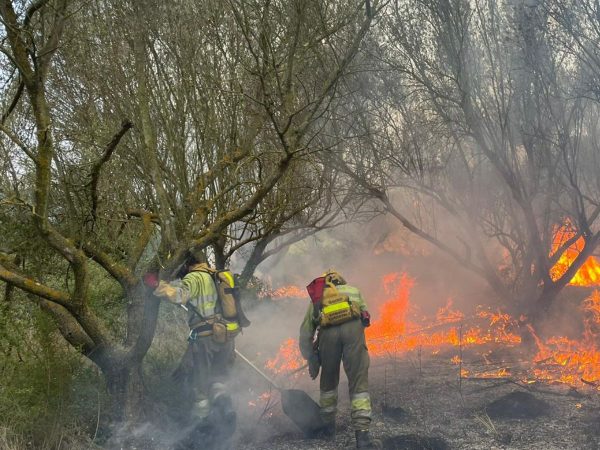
(333,332)
(210,354)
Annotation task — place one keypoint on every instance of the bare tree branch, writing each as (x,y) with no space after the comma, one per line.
(108,151)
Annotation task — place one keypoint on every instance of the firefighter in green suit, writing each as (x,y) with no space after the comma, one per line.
(205,366)
(333,333)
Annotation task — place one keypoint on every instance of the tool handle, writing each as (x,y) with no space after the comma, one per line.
(262,374)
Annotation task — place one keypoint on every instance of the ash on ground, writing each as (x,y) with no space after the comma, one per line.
(428,406)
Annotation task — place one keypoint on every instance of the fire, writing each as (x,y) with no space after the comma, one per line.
(588,274)
(392,320)
(591,305)
(288,358)
(446,315)
(262,399)
(575,361)
(393,332)
(398,327)
(285,292)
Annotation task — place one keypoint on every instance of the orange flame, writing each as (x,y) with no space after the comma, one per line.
(285,292)
(396,330)
(392,321)
(446,315)
(572,361)
(588,274)
(288,358)
(392,332)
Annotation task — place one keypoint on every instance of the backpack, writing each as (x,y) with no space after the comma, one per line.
(330,307)
(227,294)
(229,297)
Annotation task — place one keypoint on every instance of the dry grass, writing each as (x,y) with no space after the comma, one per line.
(486,421)
(67,440)
(8,441)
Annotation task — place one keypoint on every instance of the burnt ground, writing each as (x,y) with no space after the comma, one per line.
(428,407)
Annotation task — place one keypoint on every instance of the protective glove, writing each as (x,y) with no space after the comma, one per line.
(164,289)
(151,280)
(365,318)
(313,366)
(173,291)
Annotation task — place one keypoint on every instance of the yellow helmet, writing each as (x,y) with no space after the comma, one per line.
(333,276)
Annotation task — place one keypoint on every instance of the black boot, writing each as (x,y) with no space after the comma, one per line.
(223,414)
(223,419)
(364,440)
(326,432)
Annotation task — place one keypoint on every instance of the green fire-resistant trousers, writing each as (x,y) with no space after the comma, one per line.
(211,364)
(345,343)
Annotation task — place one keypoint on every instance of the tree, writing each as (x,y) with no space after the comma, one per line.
(479,142)
(216,101)
(313,199)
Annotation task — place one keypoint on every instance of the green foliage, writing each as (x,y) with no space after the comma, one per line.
(107,300)
(46,392)
(168,346)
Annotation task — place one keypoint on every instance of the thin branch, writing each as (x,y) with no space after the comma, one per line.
(15,139)
(108,151)
(142,241)
(213,231)
(34,287)
(13,103)
(35,6)
(118,271)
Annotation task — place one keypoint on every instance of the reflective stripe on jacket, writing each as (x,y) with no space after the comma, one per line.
(202,292)
(308,327)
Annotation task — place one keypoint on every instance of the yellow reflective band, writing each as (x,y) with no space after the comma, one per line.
(229,278)
(328,402)
(232,326)
(336,307)
(361,403)
(329,394)
(202,408)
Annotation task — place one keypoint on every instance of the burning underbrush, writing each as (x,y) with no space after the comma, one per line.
(589,273)
(482,343)
(456,362)
(453,378)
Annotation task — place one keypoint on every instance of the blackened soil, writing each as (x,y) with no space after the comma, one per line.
(518,405)
(429,404)
(414,442)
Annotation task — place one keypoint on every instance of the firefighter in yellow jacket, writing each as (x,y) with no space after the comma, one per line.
(210,354)
(333,332)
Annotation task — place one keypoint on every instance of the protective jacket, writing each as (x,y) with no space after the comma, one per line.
(206,363)
(311,322)
(345,343)
(198,292)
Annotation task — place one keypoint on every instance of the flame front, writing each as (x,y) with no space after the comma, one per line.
(588,274)
(393,333)
(397,329)
(285,292)
(288,358)
(575,361)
